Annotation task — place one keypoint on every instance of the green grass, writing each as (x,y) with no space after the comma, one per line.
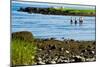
(70,9)
(81,11)
(22,52)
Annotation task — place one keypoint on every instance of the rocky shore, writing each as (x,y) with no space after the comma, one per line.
(52,51)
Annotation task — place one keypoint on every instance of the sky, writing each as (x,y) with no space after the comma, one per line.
(89,2)
(55,5)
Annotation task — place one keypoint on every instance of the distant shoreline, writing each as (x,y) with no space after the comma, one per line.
(58,11)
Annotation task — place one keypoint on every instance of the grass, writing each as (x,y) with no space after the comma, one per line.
(22,52)
(77,11)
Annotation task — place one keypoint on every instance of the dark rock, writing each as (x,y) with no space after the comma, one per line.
(52,38)
(53,47)
(45,39)
(72,40)
(77,59)
(94,43)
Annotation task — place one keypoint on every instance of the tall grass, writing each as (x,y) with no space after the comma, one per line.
(22,52)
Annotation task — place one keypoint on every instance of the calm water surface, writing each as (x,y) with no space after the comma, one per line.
(57,26)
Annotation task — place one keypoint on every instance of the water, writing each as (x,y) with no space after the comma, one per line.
(57,26)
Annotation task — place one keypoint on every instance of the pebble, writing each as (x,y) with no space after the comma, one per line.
(66,61)
(39,59)
(79,59)
(40,62)
(90,59)
(92,52)
(53,62)
(72,60)
(39,49)
(67,51)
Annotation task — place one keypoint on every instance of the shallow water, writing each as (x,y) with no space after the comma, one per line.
(57,26)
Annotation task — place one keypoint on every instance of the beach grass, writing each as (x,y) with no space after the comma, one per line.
(22,52)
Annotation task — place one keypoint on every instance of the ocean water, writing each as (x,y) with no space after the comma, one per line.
(56,26)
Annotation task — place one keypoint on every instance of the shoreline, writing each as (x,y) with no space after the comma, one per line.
(59,39)
(58,11)
(62,39)
(51,51)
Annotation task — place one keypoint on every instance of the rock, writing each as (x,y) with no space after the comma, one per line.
(53,62)
(59,60)
(61,49)
(52,38)
(82,58)
(94,43)
(49,51)
(39,49)
(39,58)
(79,59)
(78,56)
(53,47)
(40,62)
(81,54)
(72,40)
(92,52)
(56,59)
(67,51)
(65,61)
(72,60)
(45,39)
(90,59)
(83,51)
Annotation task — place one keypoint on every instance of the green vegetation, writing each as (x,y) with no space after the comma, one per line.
(59,11)
(79,11)
(22,52)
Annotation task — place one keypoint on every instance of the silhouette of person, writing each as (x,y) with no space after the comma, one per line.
(81,20)
(75,21)
(71,20)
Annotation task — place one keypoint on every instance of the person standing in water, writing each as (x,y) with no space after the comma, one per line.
(80,20)
(71,20)
(75,21)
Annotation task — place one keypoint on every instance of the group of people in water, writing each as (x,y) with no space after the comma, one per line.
(75,21)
